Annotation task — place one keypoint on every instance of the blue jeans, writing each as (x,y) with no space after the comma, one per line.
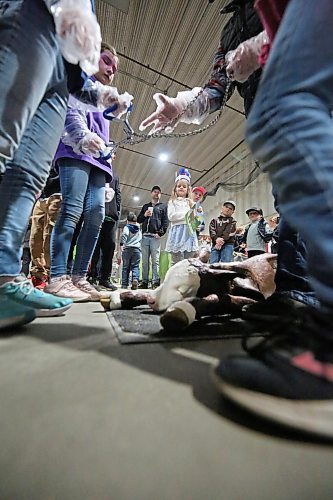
(226,254)
(290,131)
(150,248)
(33,99)
(131,260)
(83,191)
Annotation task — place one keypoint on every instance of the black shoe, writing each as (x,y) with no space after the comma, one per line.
(108,285)
(143,284)
(155,285)
(275,308)
(92,280)
(288,377)
(135,285)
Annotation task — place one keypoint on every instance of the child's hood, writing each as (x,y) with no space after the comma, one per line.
(133,227)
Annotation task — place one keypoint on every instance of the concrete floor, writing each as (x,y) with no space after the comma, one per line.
(83,417)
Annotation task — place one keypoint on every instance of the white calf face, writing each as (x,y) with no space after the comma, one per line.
(181,281)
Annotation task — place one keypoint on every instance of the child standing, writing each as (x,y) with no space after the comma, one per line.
(182,240)
(130,246)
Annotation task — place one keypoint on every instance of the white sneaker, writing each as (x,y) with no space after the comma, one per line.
(85,287)
(63,287)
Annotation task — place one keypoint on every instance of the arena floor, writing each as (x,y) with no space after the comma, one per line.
(83,417)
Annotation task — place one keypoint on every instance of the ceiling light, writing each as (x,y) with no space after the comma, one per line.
(136,198)
(163,157)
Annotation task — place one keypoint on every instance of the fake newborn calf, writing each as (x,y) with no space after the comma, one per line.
(193,289)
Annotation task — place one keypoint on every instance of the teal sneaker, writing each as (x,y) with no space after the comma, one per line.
(22,291)
(13,315)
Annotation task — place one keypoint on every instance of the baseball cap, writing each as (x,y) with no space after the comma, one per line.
(201,190)
(156,187)
(230,203)
(254,209)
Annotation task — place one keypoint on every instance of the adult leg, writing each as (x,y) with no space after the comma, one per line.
(126,258)
(36,240)
(28,55)
(290,378)
(145,253)
(108,246)
(70,258)
(155,250)
(25,176)
(94,272)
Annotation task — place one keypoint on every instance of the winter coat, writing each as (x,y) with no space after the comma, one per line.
(158,222)
(223,227)
(243,24)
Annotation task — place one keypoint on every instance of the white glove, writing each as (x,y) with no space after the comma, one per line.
(109,96)
(91,144)
(109,193)
(168,108)
(244,60)
(79,33)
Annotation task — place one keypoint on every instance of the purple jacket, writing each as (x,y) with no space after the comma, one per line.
(95,123)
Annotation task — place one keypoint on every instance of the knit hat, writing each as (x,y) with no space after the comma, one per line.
(183,174)
(201,190)
(230,203)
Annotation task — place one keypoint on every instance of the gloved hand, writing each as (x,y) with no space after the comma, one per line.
(109,96)
(109,193)
(79,33)
(169,108)
(244,60)
(91,144)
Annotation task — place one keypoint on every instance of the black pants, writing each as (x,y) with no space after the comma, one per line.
(252,253)
(105,248)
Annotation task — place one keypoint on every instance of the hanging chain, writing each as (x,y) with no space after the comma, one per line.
(136,138)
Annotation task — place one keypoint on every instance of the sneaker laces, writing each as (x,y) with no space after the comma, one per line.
(84,285)
(25,286)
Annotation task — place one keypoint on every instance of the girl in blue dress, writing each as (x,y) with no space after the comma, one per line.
(182,240)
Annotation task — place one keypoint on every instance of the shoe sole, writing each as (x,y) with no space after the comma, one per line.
(49,313)
(312,417)
(17,321)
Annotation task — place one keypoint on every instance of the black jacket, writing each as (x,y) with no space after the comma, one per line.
(243,24)
(264,233)
(158,222)
(113,207)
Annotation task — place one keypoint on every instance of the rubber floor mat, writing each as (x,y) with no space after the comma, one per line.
(141,325)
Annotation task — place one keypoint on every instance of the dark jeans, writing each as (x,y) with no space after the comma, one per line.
(291,274)
(131,260)
(291,277)
(105,248)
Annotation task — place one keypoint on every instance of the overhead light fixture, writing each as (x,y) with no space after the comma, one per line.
(163,157)
(136,198)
